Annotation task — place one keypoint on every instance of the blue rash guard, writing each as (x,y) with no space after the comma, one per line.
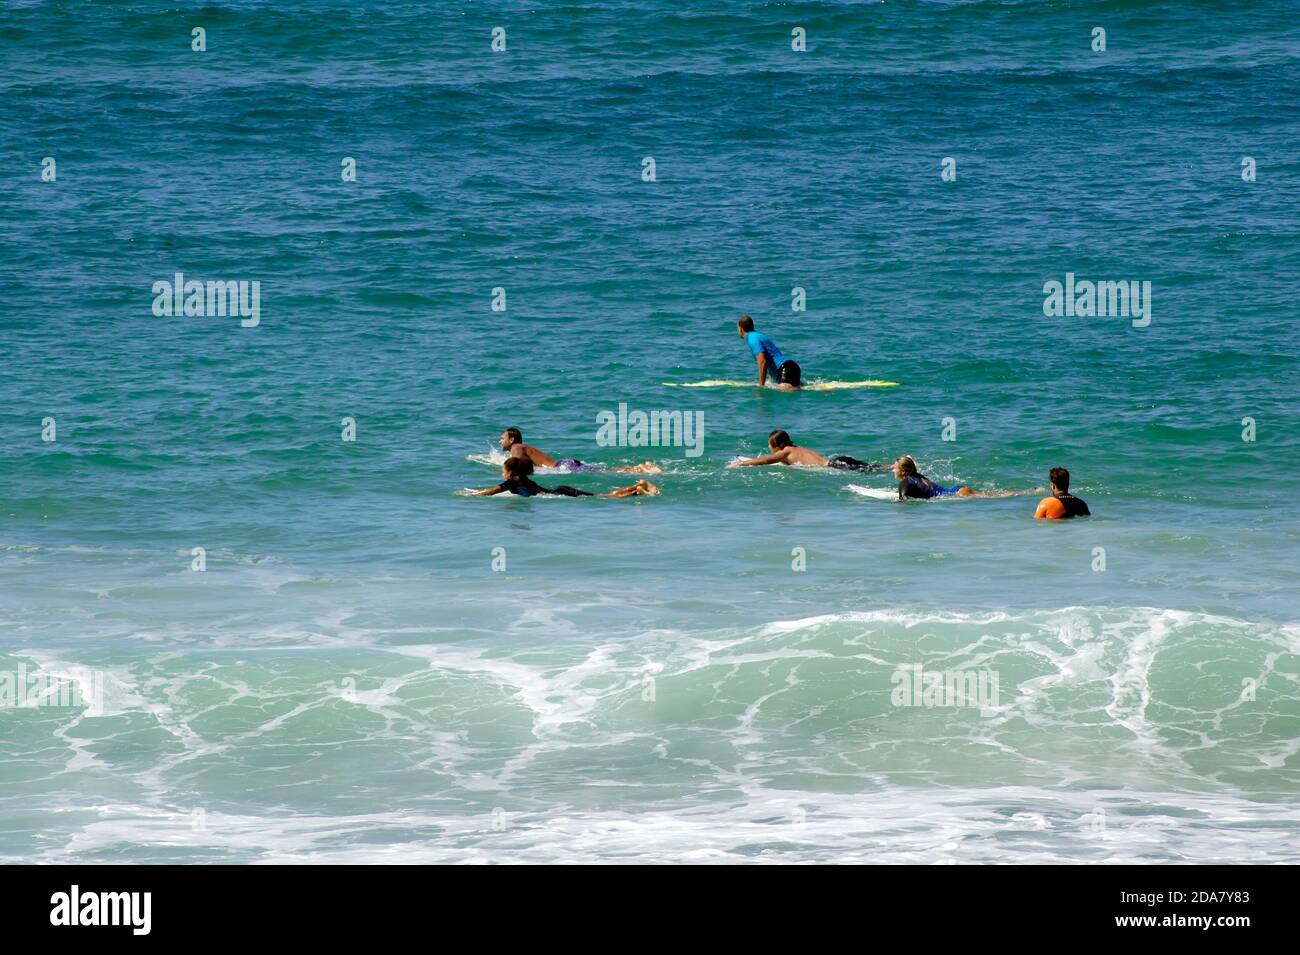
(760,344)
(920,487)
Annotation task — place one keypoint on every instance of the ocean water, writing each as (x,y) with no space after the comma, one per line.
(357,677)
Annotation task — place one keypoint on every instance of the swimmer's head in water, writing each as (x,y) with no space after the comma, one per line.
(510,437)
(904,467)
(745,325)
(778,439)
(516,468)
(1060,479)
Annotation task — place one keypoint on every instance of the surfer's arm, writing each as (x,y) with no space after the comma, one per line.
(761,358)
(777,458)
(490,490)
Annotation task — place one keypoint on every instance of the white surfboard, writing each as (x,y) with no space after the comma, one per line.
(877,493)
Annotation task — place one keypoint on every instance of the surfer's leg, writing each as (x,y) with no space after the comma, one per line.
(646,467)
(638,489)
(967,492)
(964,491)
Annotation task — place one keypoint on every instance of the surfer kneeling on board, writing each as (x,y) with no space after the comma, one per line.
(512,442)
(785,372)
(1062,503)
(518,480)
(785,451)
(913,484)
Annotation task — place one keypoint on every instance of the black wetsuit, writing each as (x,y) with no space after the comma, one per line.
(842,462)
(527,487)
(1074,507)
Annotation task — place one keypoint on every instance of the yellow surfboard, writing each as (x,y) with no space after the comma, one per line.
(811,386)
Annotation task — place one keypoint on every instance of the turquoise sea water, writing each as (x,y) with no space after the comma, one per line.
(647,680)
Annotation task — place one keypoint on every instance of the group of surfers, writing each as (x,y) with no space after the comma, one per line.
(523,459)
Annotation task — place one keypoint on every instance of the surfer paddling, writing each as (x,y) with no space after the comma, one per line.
(785,372)
(517,479)
(785,451)
(512,442)
(913,484)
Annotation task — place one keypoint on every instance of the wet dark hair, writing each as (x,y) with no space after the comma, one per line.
(746,323)
(779,438)
(518,467)
(514,434)
(1060,478)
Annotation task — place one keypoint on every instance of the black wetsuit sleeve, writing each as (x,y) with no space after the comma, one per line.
(1082,510)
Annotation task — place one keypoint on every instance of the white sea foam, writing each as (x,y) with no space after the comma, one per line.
(769,743)
(1010,824)
(493,456)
